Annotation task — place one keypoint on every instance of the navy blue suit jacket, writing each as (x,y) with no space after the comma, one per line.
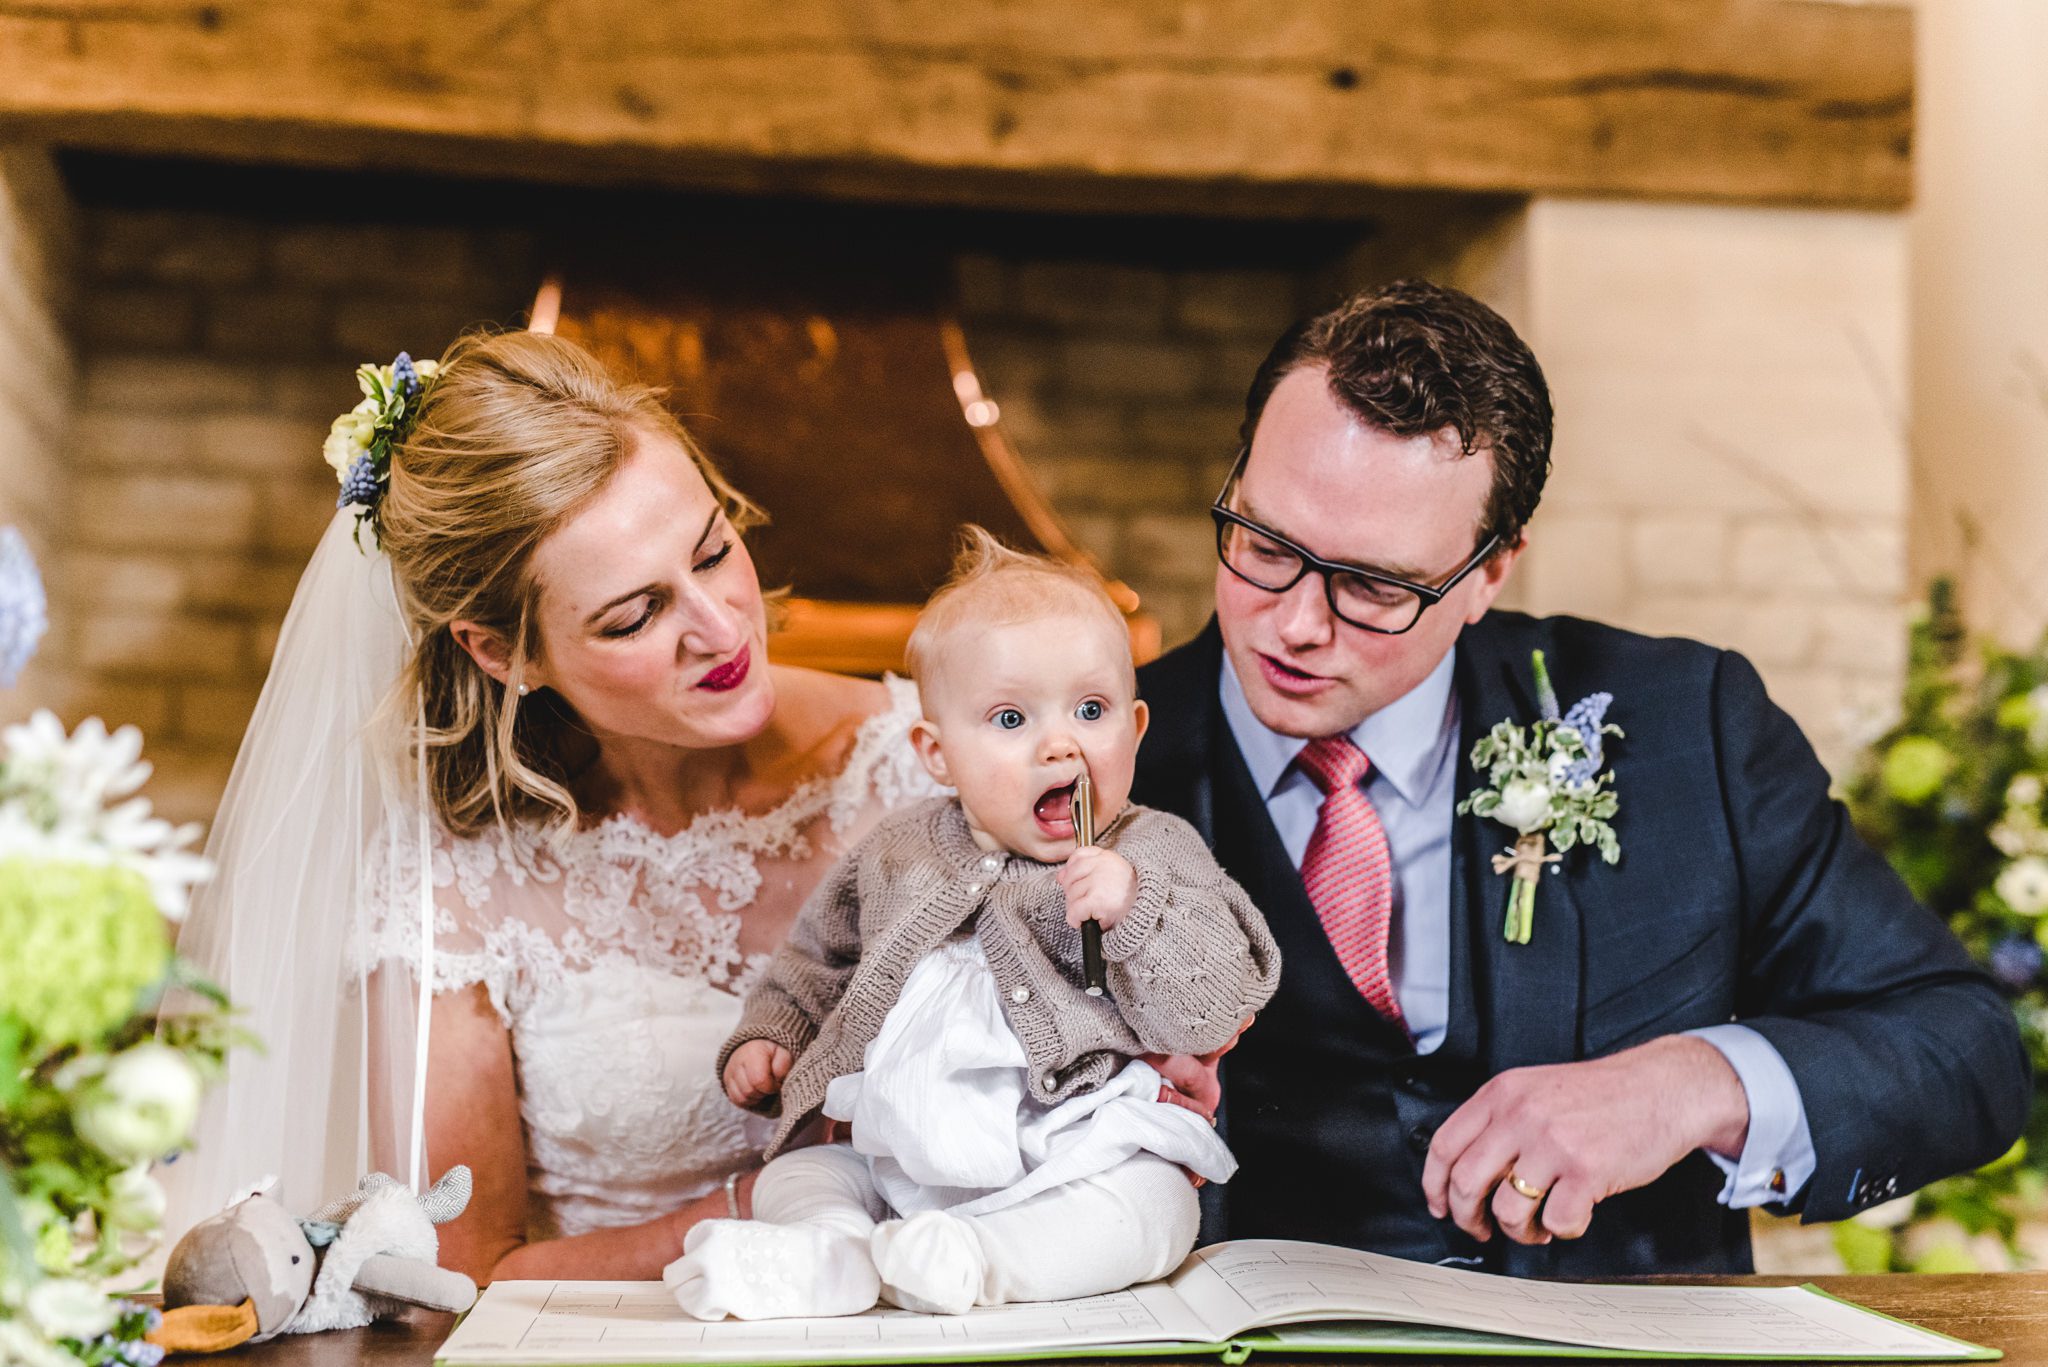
(1742,894)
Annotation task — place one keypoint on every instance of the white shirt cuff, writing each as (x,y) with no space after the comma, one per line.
(1777,1158)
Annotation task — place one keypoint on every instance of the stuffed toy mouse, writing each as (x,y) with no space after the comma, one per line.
(253,1271)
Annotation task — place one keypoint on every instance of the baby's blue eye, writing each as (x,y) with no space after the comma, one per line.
(1089,711)
(1009,719)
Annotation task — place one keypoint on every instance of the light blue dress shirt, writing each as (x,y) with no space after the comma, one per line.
(1413,745)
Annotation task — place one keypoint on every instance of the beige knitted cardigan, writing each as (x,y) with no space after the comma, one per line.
(1185,968)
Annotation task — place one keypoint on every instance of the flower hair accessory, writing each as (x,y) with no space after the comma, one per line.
(360,441)
(1546,782)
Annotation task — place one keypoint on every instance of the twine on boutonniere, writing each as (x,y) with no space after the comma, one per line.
(1546,781)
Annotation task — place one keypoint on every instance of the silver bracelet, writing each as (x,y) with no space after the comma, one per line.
(732,1195)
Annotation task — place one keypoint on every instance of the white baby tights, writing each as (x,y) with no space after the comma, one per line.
(821,1243)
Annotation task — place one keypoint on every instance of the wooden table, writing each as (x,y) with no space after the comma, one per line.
(2004,1310)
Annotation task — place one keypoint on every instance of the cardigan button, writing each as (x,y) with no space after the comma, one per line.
(1020,995)
(1049,1083)
(974,889)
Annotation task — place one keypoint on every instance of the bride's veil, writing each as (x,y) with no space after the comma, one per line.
(321,838)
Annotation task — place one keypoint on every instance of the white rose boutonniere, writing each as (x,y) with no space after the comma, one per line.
(1545,781)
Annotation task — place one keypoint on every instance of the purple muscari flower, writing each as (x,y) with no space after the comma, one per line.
(24,611)
(141,1353)
(1585,718)
(406,377)
(2016,962)
(361,486)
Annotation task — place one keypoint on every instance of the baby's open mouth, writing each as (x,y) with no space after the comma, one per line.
(1054,810)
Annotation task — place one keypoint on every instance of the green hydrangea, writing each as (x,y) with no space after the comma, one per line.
(79,944)
(1916,767)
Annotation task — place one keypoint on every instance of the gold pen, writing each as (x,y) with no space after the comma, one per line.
(1083,811)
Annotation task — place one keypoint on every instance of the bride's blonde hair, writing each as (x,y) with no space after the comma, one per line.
(518,431)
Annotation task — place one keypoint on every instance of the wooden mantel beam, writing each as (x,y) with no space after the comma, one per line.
(1235,106)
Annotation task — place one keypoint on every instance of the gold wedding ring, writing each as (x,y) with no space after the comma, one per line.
(1535,1194)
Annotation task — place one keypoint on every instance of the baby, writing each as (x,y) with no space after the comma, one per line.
(1005,1141)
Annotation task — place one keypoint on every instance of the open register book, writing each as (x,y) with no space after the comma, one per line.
(1230,1300)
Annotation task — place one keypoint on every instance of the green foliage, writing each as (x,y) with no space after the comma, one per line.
(1955,795)
(1862,1248)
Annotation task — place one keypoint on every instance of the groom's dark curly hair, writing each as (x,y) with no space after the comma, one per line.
(1412,358)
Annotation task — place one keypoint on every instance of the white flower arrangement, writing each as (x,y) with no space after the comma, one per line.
(2021,835)
(94,1084)
(55,796)
(1546,781)
(2023,885)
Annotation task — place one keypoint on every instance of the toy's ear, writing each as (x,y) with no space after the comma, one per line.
(205,1328)
(448,1197)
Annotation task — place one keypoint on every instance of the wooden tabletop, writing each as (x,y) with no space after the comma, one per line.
(2003,1310)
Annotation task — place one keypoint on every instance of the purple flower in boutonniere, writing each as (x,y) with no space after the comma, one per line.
(1585,721)
(1546,781)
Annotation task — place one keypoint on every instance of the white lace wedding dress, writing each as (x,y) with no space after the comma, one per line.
(615,962)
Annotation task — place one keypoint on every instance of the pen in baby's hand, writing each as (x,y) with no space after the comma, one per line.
(1083,811)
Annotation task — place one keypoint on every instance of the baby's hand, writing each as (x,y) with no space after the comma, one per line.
(1100,885)
(756,1070)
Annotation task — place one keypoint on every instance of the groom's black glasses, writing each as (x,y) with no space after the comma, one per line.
(1364,598)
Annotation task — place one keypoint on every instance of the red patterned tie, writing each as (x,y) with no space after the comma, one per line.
(1348,872)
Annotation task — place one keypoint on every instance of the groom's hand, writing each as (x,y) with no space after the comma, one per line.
(756,1071)
(1580,1133)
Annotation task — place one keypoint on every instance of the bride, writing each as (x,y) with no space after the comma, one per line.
(521,814)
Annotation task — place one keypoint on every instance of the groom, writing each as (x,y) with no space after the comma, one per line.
(1748,1009)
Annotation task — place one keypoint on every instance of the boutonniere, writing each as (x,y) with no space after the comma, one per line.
(1545,780)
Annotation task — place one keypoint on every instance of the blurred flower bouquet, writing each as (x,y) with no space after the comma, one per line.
(1956,796)
(93,1088)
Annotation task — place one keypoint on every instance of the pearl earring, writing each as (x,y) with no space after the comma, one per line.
(523,690)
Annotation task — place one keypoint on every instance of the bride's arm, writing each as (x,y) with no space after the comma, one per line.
(473,1117)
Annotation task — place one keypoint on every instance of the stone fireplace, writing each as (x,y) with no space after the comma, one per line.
(183,331)
(218,313)
(211,215)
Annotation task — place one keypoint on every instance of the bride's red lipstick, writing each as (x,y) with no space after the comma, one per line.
(729,675)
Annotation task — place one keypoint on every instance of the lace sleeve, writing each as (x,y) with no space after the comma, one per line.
(484,892)
(883,773)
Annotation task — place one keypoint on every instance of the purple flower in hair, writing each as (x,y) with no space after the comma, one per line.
(361,485)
